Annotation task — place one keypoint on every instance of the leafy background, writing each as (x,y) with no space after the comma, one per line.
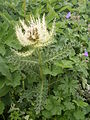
(65,94)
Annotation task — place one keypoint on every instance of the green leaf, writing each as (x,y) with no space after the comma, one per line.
(56,111)
(79,115)
(11,39)
(3,30)
(84,82)
(69,105)
(52,14)
(47,71)
(2,83)
(2,50)
(80,103)
(53,106)
(65,7)
(4,90)
(46,114)
(54,72)
(49,105)
(1,107)
(65,64)
(15,81)
(4,68)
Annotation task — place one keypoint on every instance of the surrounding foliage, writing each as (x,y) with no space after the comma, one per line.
(64,91)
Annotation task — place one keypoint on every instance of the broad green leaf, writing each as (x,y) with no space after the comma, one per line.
(11,39)
(4,68)
(53,106)
(69,105)
(49,105)
(65,7)
(74,2)
(4,90)
(79,115)
(88,47)
(65,64)
(54,72)
(52,1)
(2,82)
(2,50)
(56,110)
(82,5)
(80,103)
(47,71)
(46,114)
(15,81)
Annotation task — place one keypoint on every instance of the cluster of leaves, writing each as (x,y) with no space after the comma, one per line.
(63,95)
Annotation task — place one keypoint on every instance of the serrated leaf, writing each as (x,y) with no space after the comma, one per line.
(41,96)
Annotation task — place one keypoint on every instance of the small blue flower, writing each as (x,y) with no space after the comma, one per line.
(68,15)
(86,53)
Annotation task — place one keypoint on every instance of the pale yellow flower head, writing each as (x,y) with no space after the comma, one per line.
(35,33)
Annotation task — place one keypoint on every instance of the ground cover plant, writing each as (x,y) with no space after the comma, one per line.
(44,60)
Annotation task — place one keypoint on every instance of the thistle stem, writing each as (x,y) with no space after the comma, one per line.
(40,64)
(41,72)
(24,5)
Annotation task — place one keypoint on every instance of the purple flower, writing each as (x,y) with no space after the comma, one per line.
(86,53)
(68,15)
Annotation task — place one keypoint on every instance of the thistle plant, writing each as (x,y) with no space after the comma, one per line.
(41,52)
(35,36)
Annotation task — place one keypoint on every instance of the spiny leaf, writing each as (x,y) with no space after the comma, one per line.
(41,96)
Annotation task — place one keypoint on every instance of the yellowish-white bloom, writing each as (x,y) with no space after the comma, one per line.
(35,34)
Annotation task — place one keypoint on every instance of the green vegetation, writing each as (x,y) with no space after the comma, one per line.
(54,82)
